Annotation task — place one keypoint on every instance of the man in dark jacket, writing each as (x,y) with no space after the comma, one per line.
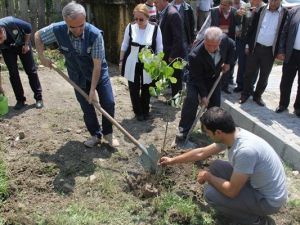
(207,60)
(172,30)
(225,17)
(289,51)
(263,38)
(15,41)
(188,23)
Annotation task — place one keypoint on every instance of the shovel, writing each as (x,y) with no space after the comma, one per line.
(202,109)
(149,156)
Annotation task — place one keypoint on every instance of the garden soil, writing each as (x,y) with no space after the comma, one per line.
(51,172)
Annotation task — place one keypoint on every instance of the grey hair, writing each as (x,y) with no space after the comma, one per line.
(213,34)
(73,10)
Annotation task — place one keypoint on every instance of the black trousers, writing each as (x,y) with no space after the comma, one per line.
(190,105)
(178,85)
(10,58)
(289,71)
(139,92)
(261,59)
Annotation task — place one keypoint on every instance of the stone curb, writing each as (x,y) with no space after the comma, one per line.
(290,153)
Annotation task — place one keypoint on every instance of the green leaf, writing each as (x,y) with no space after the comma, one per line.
(179,64)
(173,80)
(152,91)
(168,71)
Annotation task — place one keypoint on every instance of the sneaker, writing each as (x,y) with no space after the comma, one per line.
(39,104)
(111,140)
(92,142)
(19,105)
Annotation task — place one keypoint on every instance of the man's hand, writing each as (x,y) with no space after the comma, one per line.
(204,101)
(225,68)
(92,96)
(202,176)
(280,57)
(46,62)
(164,161)
(241,12)
(247,51)
(25,48)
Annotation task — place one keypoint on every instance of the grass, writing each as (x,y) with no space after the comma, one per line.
(92,212)
(295,203)
(176,210)
(3,179)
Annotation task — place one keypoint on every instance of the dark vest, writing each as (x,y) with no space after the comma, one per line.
(79,65)
(216,17)
(13,31)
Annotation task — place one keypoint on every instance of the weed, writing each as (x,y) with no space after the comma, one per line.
(295,203)
(176,210)
(3,181)
(108,185)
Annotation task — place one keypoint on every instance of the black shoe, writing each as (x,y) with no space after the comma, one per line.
(181,136)
(39,104)
(225,90)
(243,99)
(146,116)
(237,89)
(259,101)
(19,105)
(139,117)
(297,112)
(280,109)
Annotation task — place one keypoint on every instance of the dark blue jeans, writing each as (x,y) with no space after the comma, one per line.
(106,98)
(10,57)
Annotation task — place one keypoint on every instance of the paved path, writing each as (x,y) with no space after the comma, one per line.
(286,125)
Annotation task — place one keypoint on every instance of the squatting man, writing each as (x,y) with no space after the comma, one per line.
(251,185)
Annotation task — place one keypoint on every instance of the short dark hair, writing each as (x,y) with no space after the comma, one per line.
(216,118)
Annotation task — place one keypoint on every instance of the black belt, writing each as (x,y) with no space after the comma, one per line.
(262,46)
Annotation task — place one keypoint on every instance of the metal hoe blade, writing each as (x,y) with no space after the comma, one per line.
(149,160)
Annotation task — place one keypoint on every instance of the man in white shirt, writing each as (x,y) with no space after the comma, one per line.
(262,46)
(289,51)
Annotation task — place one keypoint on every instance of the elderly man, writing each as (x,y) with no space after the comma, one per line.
(171,26)
(262,41)
(289,51)
(82,46)
(251,185)
(15,41)
(225,17)
(207,60)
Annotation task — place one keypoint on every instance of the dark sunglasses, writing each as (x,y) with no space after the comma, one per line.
(139,19)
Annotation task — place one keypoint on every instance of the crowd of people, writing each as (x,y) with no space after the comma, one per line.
(252,184)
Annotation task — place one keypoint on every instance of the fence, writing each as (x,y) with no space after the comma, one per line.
(37,12)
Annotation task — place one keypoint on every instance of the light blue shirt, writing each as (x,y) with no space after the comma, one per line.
(204,5)
(253,156)
(267,31)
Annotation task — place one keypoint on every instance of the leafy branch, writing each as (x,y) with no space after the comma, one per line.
(159,70)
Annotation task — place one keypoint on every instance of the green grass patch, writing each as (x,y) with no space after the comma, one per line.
(176,210)
(118,213)
(295,203)
(3,179)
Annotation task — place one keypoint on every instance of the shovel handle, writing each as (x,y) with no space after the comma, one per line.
(103,112)
(202,109)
